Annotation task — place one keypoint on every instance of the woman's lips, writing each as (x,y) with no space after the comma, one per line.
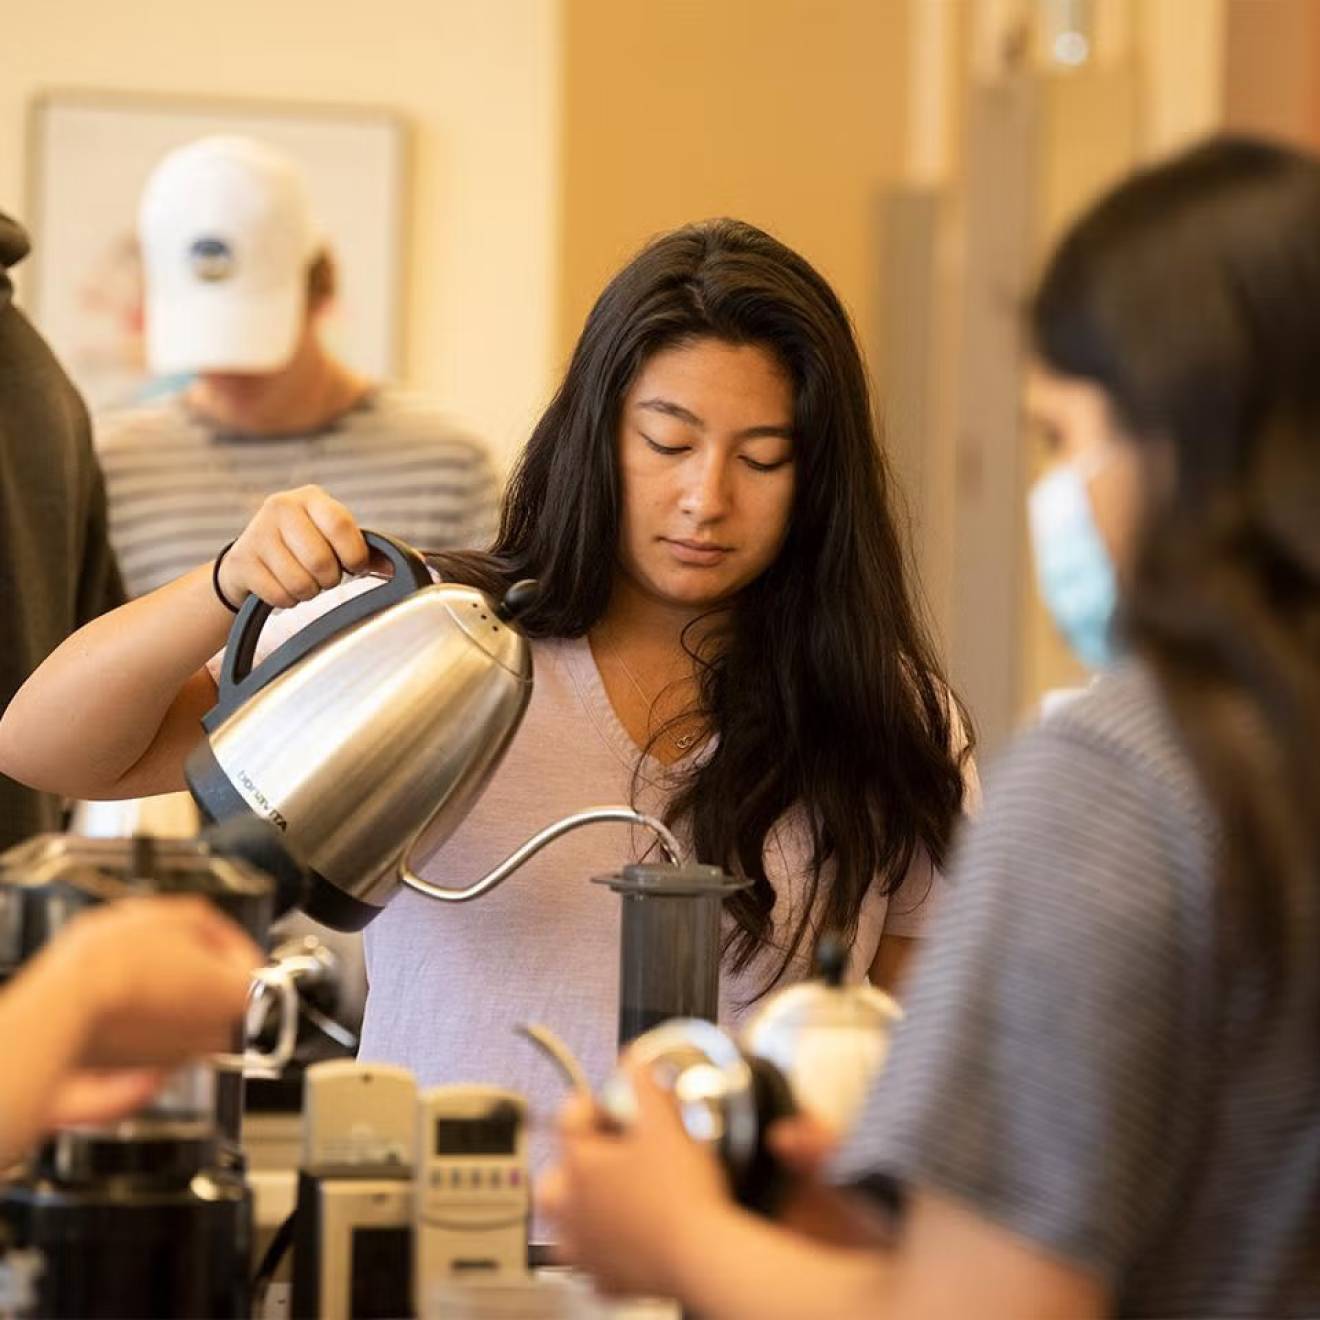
(700,554)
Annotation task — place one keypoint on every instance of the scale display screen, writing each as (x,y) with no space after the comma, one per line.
(492,1134)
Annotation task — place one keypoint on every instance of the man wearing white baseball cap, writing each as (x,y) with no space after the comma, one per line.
(237,285)
(227,239)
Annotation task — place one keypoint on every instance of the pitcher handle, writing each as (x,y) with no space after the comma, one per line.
(238,679)
(276,978)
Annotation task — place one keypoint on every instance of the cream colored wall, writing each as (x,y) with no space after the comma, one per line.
(1179,47)
(785,113)
(478,80)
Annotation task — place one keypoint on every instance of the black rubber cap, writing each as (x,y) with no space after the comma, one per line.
(331,906)
(831,959)
(260,844)
(518,600)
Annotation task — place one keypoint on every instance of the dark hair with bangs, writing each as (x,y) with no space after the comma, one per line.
(825,693)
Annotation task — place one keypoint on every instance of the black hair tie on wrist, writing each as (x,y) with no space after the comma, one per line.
(215,579)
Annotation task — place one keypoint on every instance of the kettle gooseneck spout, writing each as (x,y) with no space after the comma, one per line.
(497,876)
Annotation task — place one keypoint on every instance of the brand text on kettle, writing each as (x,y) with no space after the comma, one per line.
(261,800)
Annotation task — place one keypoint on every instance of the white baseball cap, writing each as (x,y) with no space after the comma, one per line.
(227,238)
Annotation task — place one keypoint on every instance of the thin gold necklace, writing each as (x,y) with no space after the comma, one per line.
(683,742)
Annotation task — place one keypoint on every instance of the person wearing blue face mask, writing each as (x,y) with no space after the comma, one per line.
(1074,569)
(1104,1098)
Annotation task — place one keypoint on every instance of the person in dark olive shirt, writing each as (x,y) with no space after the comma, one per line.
(57,570)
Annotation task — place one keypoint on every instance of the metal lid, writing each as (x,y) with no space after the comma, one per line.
(824,1002)
(661,880)
(487,623)
(112,868)
(813,1004)
(49,879)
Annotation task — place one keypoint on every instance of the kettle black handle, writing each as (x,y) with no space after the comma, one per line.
(237,678)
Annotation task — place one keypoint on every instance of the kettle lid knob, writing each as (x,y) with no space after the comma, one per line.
(517,600)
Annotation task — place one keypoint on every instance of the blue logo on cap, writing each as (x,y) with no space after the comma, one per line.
(212,259)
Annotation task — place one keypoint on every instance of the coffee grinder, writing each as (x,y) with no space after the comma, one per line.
(149,1215)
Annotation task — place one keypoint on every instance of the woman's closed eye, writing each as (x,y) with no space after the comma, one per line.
(763,464)
(664,449)
(760,465)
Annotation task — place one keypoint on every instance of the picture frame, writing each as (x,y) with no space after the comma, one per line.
(91,152)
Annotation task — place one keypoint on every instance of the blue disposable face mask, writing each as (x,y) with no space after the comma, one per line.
(1074,573)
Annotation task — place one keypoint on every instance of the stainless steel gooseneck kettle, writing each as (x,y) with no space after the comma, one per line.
(369,734)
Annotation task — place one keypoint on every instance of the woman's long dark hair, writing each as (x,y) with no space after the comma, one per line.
(1191,294)
(825,694)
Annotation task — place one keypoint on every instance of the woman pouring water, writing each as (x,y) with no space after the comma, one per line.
(725,634)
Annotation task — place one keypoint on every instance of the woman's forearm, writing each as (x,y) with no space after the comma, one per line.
(112,711)
(731,1264)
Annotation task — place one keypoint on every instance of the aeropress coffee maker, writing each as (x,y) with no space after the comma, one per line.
(148,1215)
(669,943)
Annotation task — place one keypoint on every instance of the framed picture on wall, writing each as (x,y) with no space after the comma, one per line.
(89,156)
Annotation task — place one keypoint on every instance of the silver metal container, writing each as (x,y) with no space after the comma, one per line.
(378,723)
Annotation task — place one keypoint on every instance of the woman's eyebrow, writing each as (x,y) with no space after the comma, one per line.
(756,432)
(671,409)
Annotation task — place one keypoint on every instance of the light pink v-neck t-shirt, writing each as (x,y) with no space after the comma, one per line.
(449,984)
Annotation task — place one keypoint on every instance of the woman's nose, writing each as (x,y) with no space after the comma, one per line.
(705,495)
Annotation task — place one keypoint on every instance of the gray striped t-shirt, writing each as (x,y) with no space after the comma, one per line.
(1081,1063)
(179,489)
